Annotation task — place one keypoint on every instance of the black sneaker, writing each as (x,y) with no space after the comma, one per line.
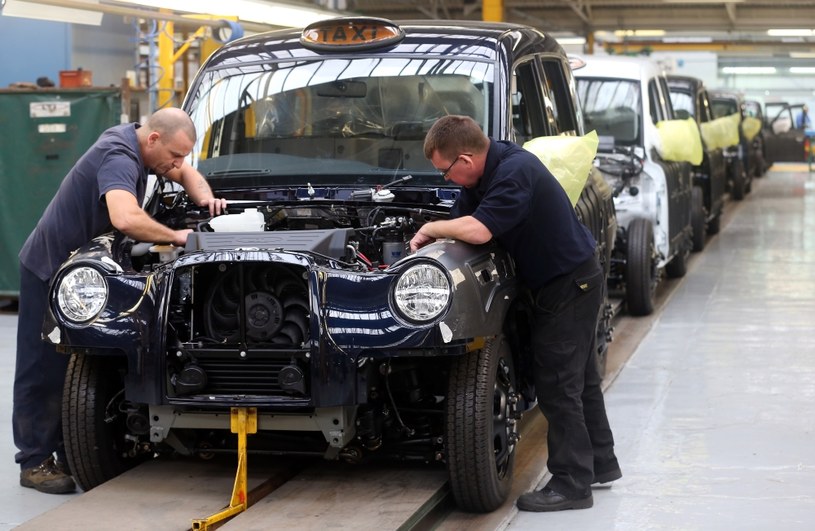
(47,478)
(546,500)
(605,479)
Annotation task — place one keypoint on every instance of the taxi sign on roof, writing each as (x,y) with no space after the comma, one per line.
(350,33)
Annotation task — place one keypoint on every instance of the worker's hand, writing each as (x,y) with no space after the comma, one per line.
(419,240)
(215,205)
(180,237)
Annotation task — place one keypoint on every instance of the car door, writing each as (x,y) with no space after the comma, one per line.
(783,142)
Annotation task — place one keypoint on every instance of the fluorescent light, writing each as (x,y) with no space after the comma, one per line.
(274,14)
(687,39)
(16,8)
(703,1)
(802,55)
(802,70)
(570,40)
(748,70)
(800,32)
(640,33)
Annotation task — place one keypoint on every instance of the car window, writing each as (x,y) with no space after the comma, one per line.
(703,104)
(559,109)
(612,107)
(665,94)
(528,112)
(723,107)
(682,103)
(659,105)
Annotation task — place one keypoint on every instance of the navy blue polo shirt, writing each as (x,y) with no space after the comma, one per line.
(78,212)
(529,213)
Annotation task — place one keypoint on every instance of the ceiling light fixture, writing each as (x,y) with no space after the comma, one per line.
(272,13)
(16,8)
(759,70)
(802,70)
(570,40)
(703,1)
(790,32)
(640,33)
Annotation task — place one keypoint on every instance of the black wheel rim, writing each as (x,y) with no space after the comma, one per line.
(503,421)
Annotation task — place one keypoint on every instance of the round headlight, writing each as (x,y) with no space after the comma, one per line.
(422,292)
(82,294)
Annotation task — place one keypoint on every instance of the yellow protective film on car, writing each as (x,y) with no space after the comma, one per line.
(680,141)
(569,158)
(750,126)
(721,132)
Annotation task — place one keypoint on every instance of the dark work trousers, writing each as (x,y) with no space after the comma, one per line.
(38,379)
(567,382)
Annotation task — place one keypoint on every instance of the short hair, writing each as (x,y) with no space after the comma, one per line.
(453,135)
(168,121)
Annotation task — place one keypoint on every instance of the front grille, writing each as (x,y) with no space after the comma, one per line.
(256,374)
(239,328)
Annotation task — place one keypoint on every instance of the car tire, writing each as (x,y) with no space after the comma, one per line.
(678,266)
(92,423)
(714,224)
(640,270)
(698,218)
(480,398)
(760,167)
(738,178)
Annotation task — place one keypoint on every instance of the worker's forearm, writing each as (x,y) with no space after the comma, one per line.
(141,227)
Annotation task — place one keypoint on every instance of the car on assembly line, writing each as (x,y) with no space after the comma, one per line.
(623,99)
(753,109)
(303,302)
(740,156)
(690,99)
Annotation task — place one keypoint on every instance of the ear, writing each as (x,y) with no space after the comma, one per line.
(152,138)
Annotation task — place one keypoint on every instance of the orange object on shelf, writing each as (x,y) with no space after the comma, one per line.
(75,78)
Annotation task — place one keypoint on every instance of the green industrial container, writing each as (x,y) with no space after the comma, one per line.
(42,134)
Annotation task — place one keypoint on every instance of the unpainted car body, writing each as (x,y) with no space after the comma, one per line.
(690,99)
(752,108)
(741,158)
(303,301)
(623,99)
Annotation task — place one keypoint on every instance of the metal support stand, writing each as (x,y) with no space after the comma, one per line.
(243,421)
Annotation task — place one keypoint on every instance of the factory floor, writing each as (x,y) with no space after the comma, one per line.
(713,414)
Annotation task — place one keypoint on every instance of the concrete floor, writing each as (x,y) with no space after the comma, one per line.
(714,413)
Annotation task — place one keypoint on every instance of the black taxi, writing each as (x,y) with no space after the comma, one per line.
(303,301)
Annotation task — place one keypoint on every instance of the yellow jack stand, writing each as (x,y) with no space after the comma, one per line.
(243,421)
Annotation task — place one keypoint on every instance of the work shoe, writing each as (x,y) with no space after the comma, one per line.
(48,477)
(605,479)
(546,499)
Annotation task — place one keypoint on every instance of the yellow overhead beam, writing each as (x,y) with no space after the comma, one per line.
(659,46)
(492,10)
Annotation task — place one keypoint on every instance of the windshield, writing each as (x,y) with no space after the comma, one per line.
(612,108)
(339,121)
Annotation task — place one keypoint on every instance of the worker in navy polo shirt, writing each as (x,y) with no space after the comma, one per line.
(509,195)
(104,190)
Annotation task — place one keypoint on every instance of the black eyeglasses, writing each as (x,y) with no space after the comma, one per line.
(450,167)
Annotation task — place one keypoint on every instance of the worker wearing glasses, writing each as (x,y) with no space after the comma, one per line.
(509,195)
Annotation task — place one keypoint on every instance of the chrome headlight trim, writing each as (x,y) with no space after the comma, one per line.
(422,292)
(81,294)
